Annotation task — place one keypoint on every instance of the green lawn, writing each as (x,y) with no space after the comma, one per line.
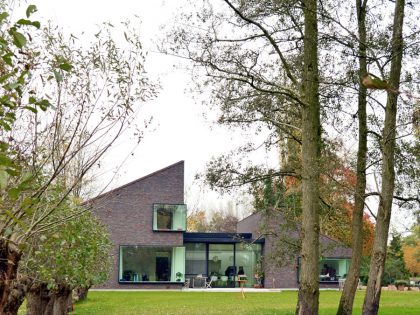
(126,303)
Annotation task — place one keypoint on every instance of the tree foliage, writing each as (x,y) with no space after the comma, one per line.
(411,250)
(250,57)
(75,253)
(395,268)
(220,221)
(197,221)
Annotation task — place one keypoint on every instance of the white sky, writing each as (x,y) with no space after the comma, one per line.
(179,131)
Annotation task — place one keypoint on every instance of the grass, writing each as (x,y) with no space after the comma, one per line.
(170,302)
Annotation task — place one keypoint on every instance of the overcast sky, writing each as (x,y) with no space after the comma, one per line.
(179,131)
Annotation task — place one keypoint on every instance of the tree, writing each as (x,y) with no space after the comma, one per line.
(223,222)
(16,70)
(95,92)
(412,258)
(72,255)
(373,291)
(411,249)
(308,301)
(357,232)
(243,77)
(395,268)
(197,221)
(219,222)
(338,182)
(255,71)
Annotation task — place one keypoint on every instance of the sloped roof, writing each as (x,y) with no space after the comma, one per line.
(257,216)
(134,181)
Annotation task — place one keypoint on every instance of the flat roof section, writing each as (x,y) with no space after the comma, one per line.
(200,237)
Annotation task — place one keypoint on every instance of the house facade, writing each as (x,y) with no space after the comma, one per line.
(147,223)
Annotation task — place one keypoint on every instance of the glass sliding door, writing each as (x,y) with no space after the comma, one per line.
(247,256)
(195,259)
(221,265)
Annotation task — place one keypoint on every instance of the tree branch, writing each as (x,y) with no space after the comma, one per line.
(270,39)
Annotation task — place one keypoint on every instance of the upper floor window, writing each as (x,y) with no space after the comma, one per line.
(168,217)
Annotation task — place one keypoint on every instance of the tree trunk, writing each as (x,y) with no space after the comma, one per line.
(42,301)
(311,140)
(347,297)
(38,300)
(16,297)
(9,261)
(62,300)
(377,263)
(81,293)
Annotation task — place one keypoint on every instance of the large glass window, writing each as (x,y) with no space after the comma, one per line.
(247,257)
(195,259)
(331,269)
(169,217)
(221,264)
(155,264)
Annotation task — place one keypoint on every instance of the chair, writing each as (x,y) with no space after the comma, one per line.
(341,283)
(187,283)
(202,281)
(360,285)
(209,283)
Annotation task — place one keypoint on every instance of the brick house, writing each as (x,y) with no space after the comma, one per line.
(147,223)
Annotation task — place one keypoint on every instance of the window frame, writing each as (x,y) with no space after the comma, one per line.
(154,218)
(298,265)
(119,279)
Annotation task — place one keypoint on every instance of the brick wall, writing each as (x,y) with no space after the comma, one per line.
(285,276)
(128,213)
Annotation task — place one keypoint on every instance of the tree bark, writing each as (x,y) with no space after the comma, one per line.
(347,297)
(377,263)
(62,300)
(16,297)
(42,301)
(38,300)
(9,261)
(311,140)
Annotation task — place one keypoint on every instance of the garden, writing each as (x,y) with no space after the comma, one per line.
(170,302)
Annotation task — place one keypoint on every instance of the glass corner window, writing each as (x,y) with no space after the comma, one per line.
(331,270)
(151,264)
(167,217)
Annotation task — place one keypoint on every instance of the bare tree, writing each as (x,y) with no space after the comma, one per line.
(256,75)
(247,92)
(96,94)
(389,134)
(352,280)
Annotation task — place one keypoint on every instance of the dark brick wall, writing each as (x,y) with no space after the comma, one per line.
(286,276)
(250,224)
(128,213)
